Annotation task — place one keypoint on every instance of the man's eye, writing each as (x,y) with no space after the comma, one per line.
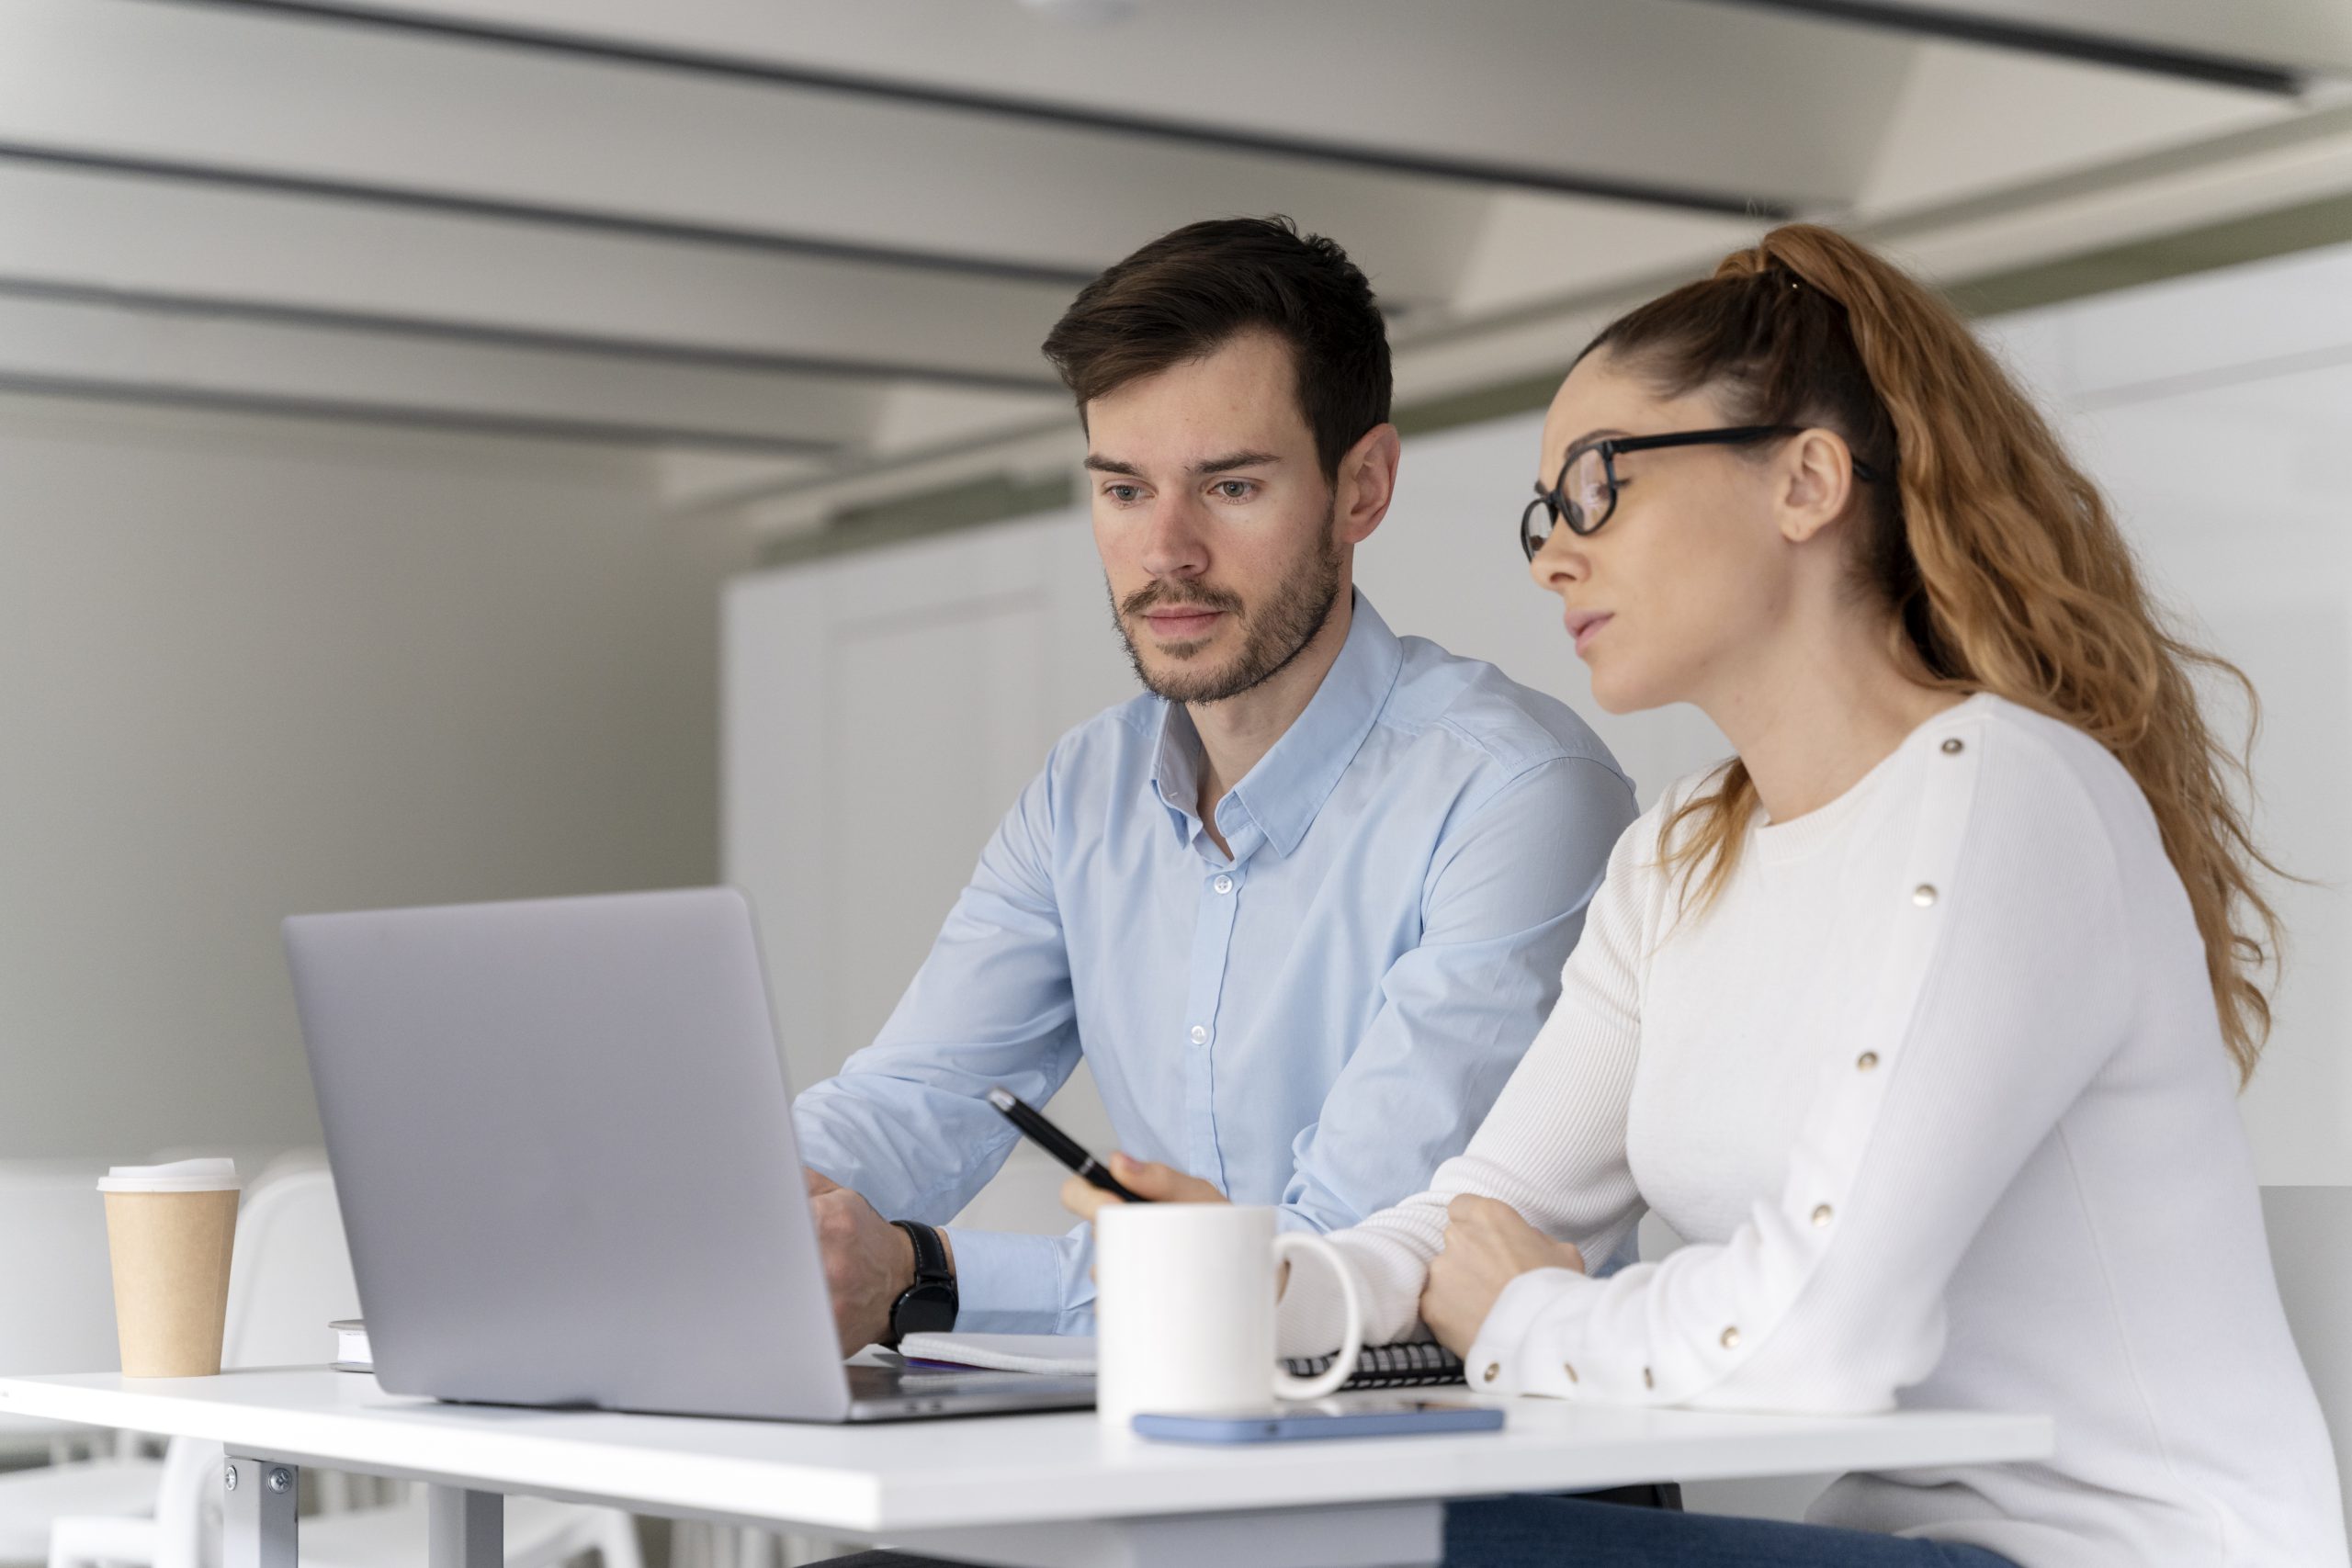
(1236,490)
(1123,494)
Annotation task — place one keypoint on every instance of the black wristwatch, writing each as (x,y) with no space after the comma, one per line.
(928,1306)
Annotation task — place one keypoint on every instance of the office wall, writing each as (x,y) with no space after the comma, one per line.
(248,670)
(2212,408)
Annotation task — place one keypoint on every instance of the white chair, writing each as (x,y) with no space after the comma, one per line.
(290,1276)
(2311,1235)
(57,1317)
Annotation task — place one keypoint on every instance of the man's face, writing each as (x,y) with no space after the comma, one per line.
(1214,520)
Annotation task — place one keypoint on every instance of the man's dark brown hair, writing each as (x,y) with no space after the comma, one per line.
(1188,294)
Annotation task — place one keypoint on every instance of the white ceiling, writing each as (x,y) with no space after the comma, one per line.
(806,250)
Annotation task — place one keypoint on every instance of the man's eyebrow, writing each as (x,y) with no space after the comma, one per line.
(1233,460)
(1112,465)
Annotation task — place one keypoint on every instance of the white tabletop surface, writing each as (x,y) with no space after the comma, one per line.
(943,1474)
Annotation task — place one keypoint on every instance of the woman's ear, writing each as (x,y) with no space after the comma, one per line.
(1815,478)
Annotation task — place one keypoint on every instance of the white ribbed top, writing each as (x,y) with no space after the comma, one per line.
(1938,1095)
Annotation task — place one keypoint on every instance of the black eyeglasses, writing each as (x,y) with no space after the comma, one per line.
(1586,492)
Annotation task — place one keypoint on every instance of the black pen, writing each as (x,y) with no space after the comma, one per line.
(1058,1144)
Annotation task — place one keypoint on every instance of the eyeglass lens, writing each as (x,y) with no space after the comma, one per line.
(1586,490)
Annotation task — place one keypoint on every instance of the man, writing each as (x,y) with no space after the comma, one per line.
(1302,906)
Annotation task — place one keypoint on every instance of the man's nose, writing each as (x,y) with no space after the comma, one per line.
(1175,544)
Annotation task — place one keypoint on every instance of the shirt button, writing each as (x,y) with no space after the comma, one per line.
(1923,894)
(1821,1215)
(1494,1369)
(1569,1368)
(1953,748)
(1648,1382)
(1731,1337)
(1866,1061)
(1223,885)
(1200,1035)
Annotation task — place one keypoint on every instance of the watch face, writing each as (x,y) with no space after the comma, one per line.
(926,1309)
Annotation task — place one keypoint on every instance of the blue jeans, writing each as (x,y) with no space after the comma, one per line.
(1573,1532)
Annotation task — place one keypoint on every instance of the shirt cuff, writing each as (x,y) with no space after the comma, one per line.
(1007,1282)
(1501,1360)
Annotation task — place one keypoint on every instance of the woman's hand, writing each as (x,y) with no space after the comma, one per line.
(1160,1183)
(1487,1246)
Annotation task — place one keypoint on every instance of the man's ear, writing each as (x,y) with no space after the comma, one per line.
(1367,484)
(1815,475)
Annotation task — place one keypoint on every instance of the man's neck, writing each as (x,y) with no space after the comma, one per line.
(1239,730)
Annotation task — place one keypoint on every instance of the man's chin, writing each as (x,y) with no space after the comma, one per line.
(1180,673)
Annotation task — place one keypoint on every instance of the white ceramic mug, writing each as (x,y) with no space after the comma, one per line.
(1185,1310)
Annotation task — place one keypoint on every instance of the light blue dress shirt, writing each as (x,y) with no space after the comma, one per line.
(1316,1023)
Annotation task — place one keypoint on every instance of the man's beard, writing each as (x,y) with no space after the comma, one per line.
(1273,636)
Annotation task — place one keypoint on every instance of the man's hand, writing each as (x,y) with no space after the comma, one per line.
(1159,1183)
(1487,1246)
(870,1262)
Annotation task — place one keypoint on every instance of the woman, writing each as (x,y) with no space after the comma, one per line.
(1922,1018)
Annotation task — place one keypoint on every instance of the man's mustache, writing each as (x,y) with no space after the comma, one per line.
(1166,595)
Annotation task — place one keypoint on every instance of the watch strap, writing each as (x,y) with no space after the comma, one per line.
(930,1304)
(930,1254)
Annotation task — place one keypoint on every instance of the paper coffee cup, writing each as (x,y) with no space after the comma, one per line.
(169,1230)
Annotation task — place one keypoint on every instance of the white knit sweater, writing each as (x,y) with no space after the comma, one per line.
(1937,1093)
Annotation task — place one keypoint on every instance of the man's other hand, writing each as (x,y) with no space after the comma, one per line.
(1159,1183)
(870,1262)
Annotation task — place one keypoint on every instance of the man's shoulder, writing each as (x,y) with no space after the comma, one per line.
(1470,705)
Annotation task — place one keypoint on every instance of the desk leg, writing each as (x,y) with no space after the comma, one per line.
(464,1529)
(257,1512)
(1378,1535)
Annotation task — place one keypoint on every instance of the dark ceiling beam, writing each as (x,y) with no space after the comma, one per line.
(545,213)
(407,416)
(1036,112)
(637,350)
(2058,42)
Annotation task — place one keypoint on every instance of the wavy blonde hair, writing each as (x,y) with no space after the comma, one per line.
(1999,560)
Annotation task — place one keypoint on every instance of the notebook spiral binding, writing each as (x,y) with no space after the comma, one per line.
(1413,1364)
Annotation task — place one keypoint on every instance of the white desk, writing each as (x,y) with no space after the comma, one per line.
(1035,1491)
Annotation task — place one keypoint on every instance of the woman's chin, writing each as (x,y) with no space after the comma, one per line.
(1617,694)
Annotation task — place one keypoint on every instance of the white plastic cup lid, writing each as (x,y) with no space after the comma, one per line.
(180,1176)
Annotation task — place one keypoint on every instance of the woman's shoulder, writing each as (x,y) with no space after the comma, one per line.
(2030,767)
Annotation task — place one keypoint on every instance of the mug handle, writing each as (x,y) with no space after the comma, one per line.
(1288,1385)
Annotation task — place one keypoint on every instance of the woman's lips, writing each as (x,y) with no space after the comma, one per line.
(1583,624)
(1181,625)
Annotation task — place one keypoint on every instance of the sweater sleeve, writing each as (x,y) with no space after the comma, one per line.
(1553,1145)
(2000,982)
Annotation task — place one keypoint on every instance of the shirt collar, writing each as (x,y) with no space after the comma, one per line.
(1293,780)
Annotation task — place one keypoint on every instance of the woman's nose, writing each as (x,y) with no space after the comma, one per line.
(1559,564)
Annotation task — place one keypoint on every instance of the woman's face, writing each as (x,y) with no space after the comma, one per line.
(1691,572)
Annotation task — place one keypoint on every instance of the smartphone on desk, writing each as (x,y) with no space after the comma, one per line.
(1315,1420)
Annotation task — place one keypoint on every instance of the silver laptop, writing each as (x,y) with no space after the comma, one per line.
(562,1141)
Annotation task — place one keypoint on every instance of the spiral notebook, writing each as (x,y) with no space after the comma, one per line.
(1412,1364)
